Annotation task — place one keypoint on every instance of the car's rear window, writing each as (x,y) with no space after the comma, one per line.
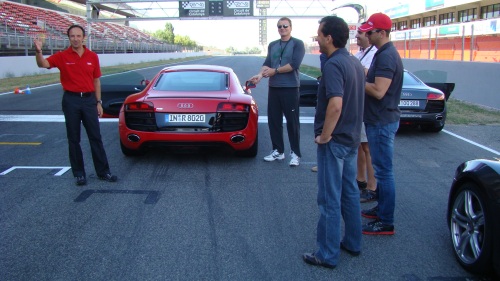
(192,81)
(410,80)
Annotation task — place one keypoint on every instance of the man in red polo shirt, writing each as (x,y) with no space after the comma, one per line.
(79,73)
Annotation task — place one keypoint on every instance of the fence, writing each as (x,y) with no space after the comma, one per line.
(483,48)
(16,43)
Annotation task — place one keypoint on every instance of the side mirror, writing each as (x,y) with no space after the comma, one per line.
(249,85)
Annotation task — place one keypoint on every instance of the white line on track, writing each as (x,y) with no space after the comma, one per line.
(472,142)
(60,173)
(262,119)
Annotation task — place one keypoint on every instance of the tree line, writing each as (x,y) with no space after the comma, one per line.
(168,35)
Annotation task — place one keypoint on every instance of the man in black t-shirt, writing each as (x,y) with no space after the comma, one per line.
(384,82)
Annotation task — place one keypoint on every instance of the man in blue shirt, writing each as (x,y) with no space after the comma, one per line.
(337,129)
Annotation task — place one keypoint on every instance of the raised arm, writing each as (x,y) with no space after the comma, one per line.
(40,60)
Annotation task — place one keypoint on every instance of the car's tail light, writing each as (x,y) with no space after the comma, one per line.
(435,103)
(435,96)
(139,106)
(140,116)
(232,107)
(231,117)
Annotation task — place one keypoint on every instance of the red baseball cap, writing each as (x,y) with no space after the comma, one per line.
(376,21)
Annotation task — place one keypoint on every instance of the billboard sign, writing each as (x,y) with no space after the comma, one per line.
(215,8)
(193,9)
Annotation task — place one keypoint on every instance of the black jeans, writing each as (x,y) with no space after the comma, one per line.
(83,110)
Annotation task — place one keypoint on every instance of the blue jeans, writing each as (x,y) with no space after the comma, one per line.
(381,143)
(338,194)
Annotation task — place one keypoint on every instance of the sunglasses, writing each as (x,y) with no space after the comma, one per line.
(371,31)
(282,26)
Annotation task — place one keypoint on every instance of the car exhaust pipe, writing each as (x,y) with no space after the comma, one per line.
(439,117)
(133,138)
(237,138)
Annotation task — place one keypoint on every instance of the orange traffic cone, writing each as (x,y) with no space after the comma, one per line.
(16,91)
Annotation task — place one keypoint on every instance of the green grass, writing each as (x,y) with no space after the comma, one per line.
(459,112)
(9,84)
(310,71)
(464,113)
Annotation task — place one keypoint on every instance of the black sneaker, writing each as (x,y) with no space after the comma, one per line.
(377,227)
(370,213)
(81,180)
(362,184)
(367,195)
(108,177)
(311,259)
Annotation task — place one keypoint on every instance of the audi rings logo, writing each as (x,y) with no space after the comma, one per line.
(185,105)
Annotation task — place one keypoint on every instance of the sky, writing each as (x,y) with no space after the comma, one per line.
(237,33)
(244,33)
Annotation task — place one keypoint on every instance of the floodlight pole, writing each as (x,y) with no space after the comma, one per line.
(89,17)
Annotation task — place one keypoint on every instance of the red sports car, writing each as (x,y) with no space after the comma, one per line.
(190,105)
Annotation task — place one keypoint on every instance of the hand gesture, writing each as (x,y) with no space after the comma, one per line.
(255,79)
(38,44)
(269,72)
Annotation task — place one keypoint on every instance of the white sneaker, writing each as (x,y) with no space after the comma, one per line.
(295,159)
(275,155)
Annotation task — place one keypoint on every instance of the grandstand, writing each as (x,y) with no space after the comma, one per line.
(19,23)
(455,30)
(464,30)
(467,30)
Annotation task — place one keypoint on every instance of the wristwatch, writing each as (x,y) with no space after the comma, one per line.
(99,101)
(276,69)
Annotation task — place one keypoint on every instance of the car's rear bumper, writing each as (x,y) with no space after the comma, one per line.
(237,140)
(422,118)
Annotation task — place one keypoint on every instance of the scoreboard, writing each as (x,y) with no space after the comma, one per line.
(215,8)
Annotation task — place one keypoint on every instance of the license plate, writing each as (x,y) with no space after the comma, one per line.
(178,118)
(409,103)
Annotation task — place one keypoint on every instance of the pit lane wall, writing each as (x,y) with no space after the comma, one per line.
(26,65)
(475,82)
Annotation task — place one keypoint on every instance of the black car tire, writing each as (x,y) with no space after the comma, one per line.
(130,152)
(252,151)
(470,228)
